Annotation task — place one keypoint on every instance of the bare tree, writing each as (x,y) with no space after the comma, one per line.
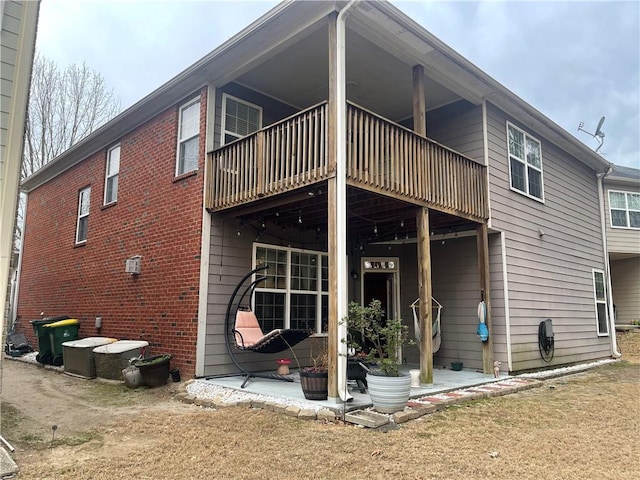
(65,105)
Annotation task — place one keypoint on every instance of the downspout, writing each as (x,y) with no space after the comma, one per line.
(612,322)
(13,315)
(341,187)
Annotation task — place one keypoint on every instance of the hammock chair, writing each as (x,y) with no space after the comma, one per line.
(436,308)
(243,332)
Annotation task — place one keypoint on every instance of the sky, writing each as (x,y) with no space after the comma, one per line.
(575,61)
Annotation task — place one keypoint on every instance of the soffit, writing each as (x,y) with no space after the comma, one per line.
(376,79)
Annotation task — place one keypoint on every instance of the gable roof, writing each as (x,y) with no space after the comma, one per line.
(279,28)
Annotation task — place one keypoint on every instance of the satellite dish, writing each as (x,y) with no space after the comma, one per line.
(598,135)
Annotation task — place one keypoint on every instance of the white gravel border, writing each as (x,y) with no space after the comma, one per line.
(205,390)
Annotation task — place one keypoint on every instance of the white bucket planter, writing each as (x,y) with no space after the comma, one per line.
(389,394)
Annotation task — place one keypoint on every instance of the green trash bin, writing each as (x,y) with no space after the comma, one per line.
(45,353)
(60,332)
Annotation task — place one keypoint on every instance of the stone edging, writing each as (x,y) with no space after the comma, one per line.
(415,407)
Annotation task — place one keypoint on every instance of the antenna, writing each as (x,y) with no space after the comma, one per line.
(598,135)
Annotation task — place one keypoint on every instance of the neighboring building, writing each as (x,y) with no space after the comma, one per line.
(622,216)
(274,148)
(18,20)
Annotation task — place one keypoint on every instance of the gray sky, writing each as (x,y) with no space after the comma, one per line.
(574,60)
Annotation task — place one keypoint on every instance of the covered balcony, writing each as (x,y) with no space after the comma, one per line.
(382,157)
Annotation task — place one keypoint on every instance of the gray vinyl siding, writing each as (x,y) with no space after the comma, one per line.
(230,259)
(11,17)
(620,240)
(459,127)
(625,283)
(549,276)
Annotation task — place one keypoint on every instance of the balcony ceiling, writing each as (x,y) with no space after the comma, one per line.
(376,79)
(370,217)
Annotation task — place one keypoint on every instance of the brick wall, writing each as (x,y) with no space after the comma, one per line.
(157,216)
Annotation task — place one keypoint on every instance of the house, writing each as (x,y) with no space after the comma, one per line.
(359,157)
(18,20)
(622,218)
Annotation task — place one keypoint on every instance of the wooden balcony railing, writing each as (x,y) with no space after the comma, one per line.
(382,157)
(281,157)
(387,158)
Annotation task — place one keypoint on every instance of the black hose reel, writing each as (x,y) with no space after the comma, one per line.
(546,340)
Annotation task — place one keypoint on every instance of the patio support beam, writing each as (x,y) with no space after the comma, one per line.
(332,213)
(419,96)
(424,289)
(485,294)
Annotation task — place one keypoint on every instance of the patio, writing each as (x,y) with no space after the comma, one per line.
(444,380)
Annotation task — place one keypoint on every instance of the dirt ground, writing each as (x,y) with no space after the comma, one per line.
(579,426)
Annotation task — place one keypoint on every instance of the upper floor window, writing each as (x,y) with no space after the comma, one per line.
(188,137)
(525,163)
(111,175)
(600,294)
(84,197)
(625,209)
(239,118)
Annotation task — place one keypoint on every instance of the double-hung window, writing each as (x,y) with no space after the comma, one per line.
(600,294)
(296,291)
(525,163)
(188,137)
(111,175)
(625,209)
(82,224)
(239,118)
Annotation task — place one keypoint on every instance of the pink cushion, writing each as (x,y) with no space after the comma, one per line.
(248,327)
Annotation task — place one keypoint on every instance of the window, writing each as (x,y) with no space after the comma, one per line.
(525,163)
(625,209)
(111,175)
(296,291)
(599,292)
(239,118)
(188,137)
(83,215)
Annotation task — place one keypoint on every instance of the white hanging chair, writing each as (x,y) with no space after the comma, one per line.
(436,308)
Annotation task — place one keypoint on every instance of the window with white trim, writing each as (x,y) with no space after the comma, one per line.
(625,209)
(525,163)
(111,175)
(188,137)
(600,295)
(239,118)
(296,291)
(82,225)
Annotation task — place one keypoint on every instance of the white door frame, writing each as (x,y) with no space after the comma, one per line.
(383,265)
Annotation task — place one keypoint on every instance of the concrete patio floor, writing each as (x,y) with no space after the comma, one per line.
(444,380)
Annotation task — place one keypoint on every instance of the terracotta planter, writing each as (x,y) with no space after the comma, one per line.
(315,385)
(389,394)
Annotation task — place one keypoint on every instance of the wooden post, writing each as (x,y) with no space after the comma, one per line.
(482,235)
(424,288)
(332,212)
(419,114)
(260,163)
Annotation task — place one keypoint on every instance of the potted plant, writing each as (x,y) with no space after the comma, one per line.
(314,379)
(388,387)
